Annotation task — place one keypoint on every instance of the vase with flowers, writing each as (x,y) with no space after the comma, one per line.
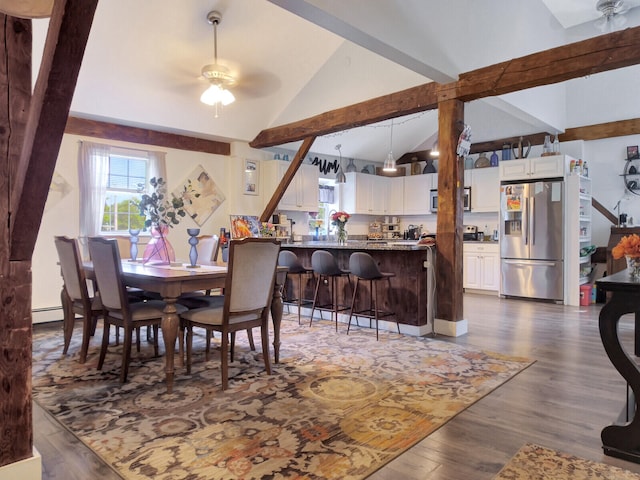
(339,220)
(629,247)
(161,213)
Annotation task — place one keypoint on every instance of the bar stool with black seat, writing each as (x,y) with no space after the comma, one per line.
(295,268)
(364,267)
(326,267)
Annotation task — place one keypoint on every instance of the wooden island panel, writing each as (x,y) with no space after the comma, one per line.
(409,289)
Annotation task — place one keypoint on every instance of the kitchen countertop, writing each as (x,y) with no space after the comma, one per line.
(361,245)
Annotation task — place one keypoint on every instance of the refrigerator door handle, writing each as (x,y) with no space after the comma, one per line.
(532,221)
(526,230)
(527,263)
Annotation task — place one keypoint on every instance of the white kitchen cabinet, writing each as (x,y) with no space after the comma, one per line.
(481,266)
(536,167)
(485,190)
(416,193)
(395,197)
(365,194)
(302,194)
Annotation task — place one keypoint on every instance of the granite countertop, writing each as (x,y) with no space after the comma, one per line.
(362,245)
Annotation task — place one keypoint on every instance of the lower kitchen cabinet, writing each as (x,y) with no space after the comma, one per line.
(481,266)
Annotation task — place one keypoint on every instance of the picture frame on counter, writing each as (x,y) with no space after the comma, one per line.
(251,177)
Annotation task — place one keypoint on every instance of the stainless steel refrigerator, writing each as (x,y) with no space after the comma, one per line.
(532,239)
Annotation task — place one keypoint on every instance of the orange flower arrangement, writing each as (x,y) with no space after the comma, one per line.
(628,245)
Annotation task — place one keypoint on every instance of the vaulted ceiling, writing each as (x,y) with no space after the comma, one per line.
(298,58)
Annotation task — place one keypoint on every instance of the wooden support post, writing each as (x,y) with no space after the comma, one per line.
(450,215)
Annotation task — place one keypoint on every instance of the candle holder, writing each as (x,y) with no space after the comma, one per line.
(193,241)
(133,240)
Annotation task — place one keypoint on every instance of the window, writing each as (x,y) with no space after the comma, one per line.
(126,181)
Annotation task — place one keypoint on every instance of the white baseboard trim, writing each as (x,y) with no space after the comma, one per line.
(42,315)
(451,329)
(27,469)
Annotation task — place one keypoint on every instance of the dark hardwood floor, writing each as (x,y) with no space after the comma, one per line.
(562,401)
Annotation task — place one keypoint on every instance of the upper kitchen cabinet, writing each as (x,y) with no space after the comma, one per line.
(395,197)
(365,194)
(302,194)
(417,189)
(530,168)
(485,189)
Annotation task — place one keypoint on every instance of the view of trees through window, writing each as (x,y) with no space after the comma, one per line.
(126,182)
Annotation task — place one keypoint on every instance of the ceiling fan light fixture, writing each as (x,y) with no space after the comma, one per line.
(217,95)
(612,14)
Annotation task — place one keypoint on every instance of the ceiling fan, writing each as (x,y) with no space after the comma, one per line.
(612,14)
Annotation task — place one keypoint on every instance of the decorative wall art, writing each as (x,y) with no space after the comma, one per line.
(202,198)
(58,189)
(632,153)
(243,226)
(251,177)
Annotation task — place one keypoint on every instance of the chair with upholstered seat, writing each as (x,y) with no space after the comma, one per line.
(75,296)
(247,300)
(294,269)
(117,309)
(364,267)
(326,267)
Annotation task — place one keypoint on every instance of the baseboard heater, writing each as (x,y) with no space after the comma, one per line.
(47,314)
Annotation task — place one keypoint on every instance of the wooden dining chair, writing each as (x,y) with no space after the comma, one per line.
(76,299)
(247,300)
(117,309)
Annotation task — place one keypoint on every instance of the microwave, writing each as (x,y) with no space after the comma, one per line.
(466,200)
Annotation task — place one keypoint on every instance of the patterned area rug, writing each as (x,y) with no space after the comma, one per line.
(336,406)
(533,462)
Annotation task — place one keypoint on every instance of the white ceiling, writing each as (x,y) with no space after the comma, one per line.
(298,58)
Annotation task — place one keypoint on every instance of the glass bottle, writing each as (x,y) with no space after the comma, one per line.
(556,145)
(547,149)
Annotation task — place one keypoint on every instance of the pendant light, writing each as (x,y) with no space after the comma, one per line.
(217,94)
(340,176)
(434,149)
(390,162)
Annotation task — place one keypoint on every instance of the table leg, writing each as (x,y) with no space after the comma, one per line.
(276,312)
(621,441)
(169,325)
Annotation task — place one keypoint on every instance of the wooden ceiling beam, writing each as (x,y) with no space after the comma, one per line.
(398,104)
(113,131)
(595,55)
(63,51)
(598,131)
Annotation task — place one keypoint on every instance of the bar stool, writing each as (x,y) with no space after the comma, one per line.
(325,267)
(363,267)
(290,260)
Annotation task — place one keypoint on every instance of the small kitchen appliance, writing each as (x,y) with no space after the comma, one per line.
(469,233)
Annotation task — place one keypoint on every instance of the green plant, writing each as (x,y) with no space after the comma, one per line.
(159,209)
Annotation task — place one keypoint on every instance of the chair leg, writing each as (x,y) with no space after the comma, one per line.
(264,333)
(156,350)
(334,299)
(224,360)
(315,299)
(233,346)
(138,339)
(126,353)
(375,304)
(68,319)
(86,334)
(189,339)
(207,350)
(105,343)
(251,342)
(299,297)
(353,304)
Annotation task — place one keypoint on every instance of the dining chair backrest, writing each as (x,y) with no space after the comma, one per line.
(324,263)
(251,275)
(288,259)
(71,266)
(207,247)
(124,246)
(107,268)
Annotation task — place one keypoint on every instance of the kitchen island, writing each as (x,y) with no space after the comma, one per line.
(412,293)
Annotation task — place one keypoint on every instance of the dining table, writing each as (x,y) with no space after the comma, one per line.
(172,280)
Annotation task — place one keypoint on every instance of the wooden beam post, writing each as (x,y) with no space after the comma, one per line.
(450,213)
(16,439)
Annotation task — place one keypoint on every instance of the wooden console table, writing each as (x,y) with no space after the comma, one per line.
(622,441)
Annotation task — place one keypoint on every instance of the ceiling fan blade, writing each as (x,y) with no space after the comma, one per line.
(257,84)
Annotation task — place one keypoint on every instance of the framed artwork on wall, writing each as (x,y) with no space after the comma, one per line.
(202,197)
(251,177)
(632,152)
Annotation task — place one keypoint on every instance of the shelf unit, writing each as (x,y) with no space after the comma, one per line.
(631,175)
(578,234)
